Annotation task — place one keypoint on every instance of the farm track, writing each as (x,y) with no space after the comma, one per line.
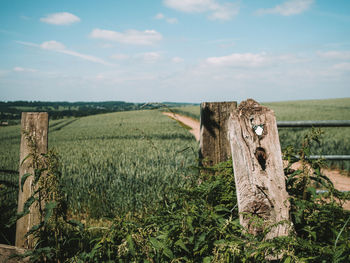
(61,125)
(341,182)
(192,123)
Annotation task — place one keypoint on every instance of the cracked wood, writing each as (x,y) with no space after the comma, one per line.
(258,169)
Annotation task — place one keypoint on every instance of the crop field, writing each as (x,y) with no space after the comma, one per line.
(127,160)
(190,111)
(111,163)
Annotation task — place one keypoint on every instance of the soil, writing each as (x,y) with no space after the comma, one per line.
(340,181)
(192,123)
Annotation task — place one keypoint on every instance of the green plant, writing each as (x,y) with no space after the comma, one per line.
(54,237)
(318,217)
(200,223)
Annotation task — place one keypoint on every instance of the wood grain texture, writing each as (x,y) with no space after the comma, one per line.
(258,169)
(7,252)
(214,144)
(34,125)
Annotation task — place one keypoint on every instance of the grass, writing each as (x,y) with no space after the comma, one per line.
(189,111)
(334,140)
(112,163)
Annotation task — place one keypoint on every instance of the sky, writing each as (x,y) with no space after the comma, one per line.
(174,50)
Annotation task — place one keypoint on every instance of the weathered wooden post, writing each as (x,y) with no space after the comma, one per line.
(214,143)
(258,169)
(34,127)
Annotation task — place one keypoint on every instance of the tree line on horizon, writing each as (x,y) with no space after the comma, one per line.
(10,111)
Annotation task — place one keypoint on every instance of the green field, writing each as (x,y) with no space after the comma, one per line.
(133,149)
(331,109)
(112,162)
(127,160)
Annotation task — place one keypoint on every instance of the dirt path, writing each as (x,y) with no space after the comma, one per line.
(194,124)
(341,182)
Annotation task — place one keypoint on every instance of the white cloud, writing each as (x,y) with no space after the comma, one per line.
(29,44)
(20,69)
(177,60)
(170,20)
(135,37)
(84,56)
(288,8)
(63,18)
(342,55)
(52,45)
(342,66)
(190,6)
(106,45)
(239,60)
(149,57)
(120,56)
(216,10)
(224,12)
(254,60)
(56,46)
(159,16)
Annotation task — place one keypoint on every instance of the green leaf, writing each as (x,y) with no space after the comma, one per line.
(312,190)
(207,260)
(189,223)
(340,232)
(287,260)
(200,241)
(155,243)
(49,210)
(34,229)
(220,208)
(25,158)
(23,179)
(76,223)
(28,203)
(167,252)
(181,244)
(131,245)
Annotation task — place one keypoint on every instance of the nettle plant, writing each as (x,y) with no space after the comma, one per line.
(199,222)
(322,229)
(55,237)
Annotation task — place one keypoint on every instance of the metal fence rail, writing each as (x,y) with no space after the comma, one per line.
(309,124)
(330,157)
(328,123)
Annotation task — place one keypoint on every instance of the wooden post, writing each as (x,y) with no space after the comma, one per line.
(7,253)
(258,169)
(35,126)
(214,144)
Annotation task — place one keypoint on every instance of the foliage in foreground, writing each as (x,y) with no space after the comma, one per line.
(201,223)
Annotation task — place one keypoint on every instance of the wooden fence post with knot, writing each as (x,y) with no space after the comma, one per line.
(34,142)
(258,170)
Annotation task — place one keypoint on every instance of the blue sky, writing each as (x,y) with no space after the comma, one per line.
(174,50)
